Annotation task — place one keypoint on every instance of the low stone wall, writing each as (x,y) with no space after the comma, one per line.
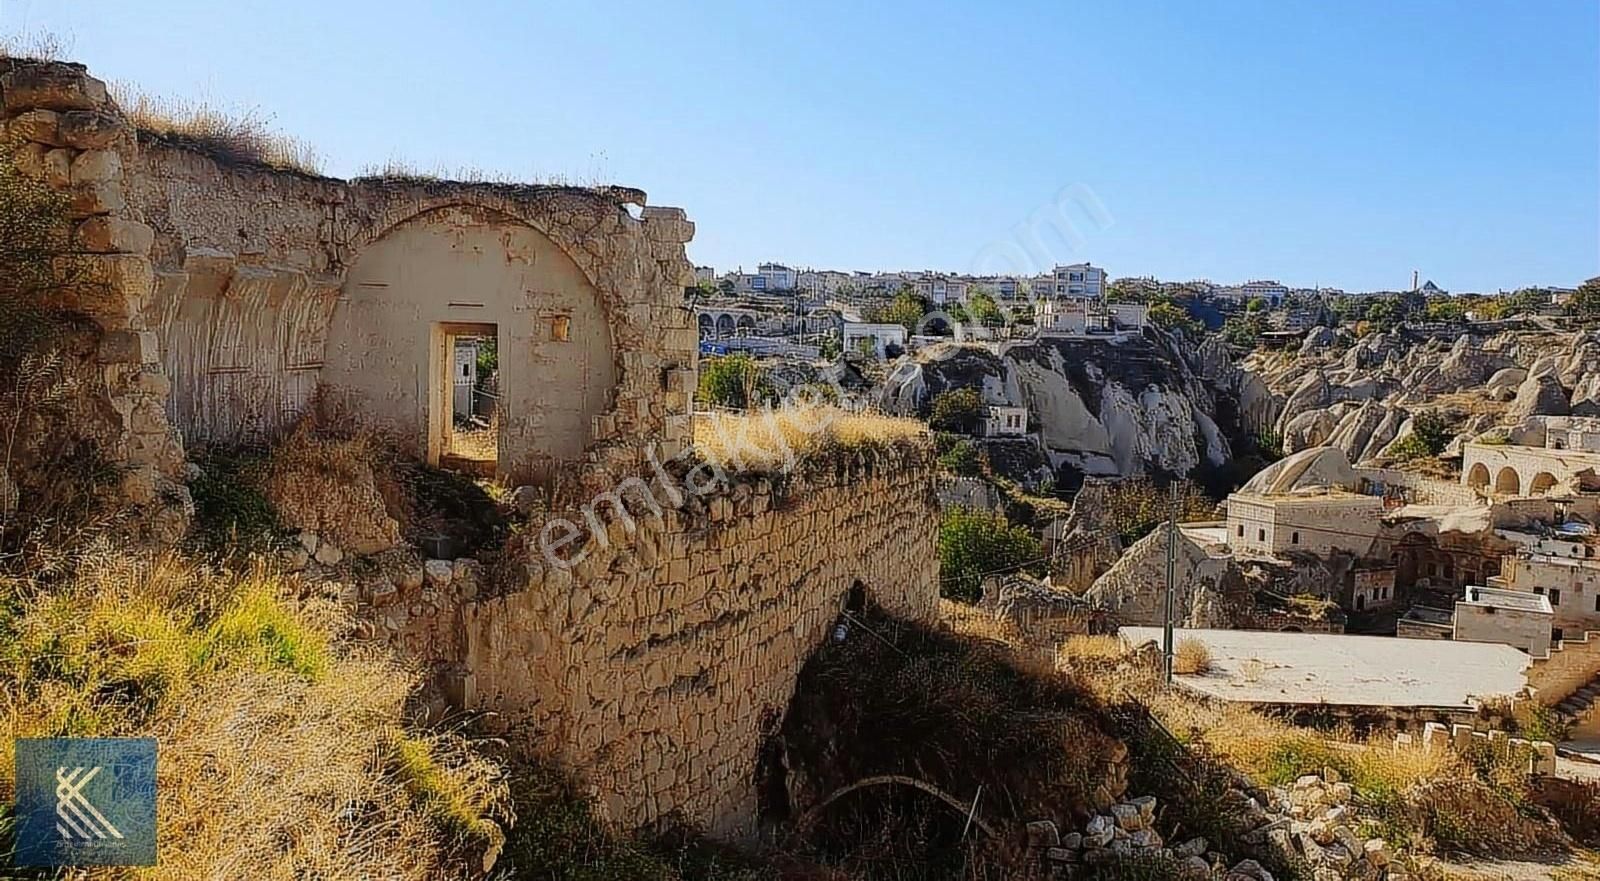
(1422,489)
(1573,664)
(657,666)
(1540,755)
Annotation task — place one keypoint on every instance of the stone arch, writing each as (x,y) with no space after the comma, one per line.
(707,326)
(1478,477)
(461,264)
(745,322)
(724,325)
(1508,482)
(1542,483)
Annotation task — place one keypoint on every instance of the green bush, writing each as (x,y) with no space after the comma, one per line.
(736,381)
(956,410)
(962,458)
(973,544)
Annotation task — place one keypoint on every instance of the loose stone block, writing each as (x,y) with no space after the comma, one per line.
(39,126)
(92,166)
(90,129)
(113,235)
(51,86)
(129,347)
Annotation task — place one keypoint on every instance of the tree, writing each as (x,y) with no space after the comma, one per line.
(962,458)
(985,310)
(906,310)
(1133,290)
(736,381)
(973,544)
(1134,507)
(1168,315)
(1385,313)
(1243,331)
(1256,304)
(1430,434)
(1585,302)
(1450,309)
(956,410)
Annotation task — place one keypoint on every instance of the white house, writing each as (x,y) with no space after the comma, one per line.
(1004,421)
(1486,614)
(774,277)
(861,336)
(1079,280)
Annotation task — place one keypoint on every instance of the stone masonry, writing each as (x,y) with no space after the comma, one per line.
(657,666)
(68,133)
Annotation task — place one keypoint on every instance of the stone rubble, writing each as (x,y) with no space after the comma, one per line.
(1313,821)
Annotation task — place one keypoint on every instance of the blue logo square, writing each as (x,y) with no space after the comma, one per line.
(86,801)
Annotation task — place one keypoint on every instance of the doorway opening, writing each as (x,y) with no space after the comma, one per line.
(464,410)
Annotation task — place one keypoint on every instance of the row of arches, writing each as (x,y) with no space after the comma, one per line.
(1508,482)
(724,325)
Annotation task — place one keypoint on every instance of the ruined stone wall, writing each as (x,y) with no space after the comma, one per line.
(657,666)
(270,284)
(69,134)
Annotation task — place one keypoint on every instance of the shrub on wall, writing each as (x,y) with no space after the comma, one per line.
(956,410)
(736,381)
(973,544)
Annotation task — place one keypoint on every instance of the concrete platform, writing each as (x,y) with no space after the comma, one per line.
(1268,667)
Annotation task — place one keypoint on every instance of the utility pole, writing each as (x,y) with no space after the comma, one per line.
(1172,567)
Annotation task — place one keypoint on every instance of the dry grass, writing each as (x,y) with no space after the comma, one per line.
(277,739)
(1091,653)
(329,485)
(242,137)
(778,439)
(478,444)
(1191,657)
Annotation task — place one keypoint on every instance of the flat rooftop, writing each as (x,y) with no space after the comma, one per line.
(1494,597)
(1341,670)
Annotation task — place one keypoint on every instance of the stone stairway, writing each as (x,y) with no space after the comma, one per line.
(1582,701)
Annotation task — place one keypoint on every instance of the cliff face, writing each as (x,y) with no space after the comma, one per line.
(1360,396)
(1102,408)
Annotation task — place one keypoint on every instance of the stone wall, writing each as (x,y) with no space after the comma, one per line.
(246,289)
(70,135)
(656,667)
(1421,489)
(1571,665)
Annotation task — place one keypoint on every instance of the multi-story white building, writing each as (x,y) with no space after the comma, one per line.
(1271,291)
(1078,317)
(1304,522)
(1078,281)
(774,277)
(704,273)
(941,290)
(1571,585)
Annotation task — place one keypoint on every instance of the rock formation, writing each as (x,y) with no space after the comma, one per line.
(1104,408)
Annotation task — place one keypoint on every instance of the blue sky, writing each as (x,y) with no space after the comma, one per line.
(1340,144)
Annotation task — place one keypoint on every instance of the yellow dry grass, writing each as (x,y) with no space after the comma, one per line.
(778,438)
(280,744)
(1191,656)
(228,135)
(1084,653)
